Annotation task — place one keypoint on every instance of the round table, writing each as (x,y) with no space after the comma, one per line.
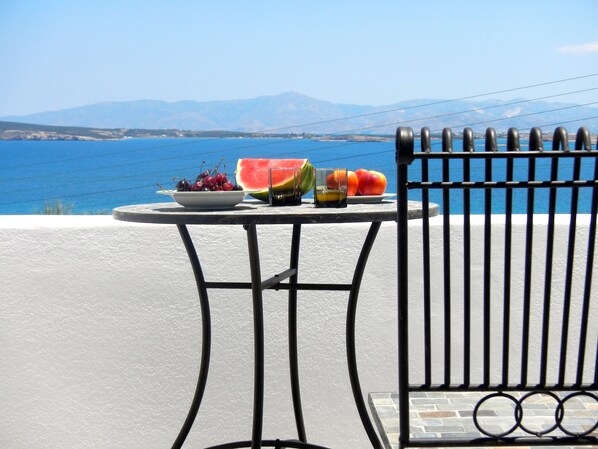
(249,214)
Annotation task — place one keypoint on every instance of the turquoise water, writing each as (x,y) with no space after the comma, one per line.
(96,176)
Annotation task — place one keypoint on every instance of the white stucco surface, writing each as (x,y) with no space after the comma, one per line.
(100,334)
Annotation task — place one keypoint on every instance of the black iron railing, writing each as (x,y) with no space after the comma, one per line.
(512,315)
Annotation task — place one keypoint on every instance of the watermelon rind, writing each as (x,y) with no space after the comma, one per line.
(307,177)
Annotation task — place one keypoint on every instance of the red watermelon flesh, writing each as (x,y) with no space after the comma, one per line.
(253,174)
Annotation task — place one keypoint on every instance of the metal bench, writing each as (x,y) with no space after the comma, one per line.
(497,297)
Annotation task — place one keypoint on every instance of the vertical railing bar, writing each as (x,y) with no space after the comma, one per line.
(585,315)
(574,203)
(512,145)
(426,147)
(468,146)
(545,333)
(403,156)
(535,144)
(447,147)
(560,139)
(490,146)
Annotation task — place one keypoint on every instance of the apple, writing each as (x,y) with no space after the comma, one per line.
(371,182)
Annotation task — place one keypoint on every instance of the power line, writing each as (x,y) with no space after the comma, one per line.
(435,103)
(348,131)
(140,187)
(448,114)
(387,111)
(303,150)
(394,122)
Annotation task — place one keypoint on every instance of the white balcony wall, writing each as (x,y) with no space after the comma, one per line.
(101,333)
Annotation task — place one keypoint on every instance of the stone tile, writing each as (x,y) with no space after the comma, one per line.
(436,394)
(469,413)
(383,401)
(458,401)
(419,401)
(423,407)
(432,422)
(417,394)
(450,415)
(438,414)
(461,407)
(385,409)
(443,428)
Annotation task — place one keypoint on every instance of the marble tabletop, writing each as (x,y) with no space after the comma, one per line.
(257,212)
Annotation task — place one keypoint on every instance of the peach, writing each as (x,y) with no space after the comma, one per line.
(352,183)
(371,182)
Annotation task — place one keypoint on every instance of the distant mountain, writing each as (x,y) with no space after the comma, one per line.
(293,112)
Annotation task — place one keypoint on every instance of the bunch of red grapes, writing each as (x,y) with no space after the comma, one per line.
(207,181)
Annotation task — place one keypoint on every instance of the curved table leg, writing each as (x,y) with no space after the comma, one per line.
(293,356)
(205,340)
(258,336)
(350,329)
(258,318)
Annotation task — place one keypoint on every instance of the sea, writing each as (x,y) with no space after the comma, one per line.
(93,177)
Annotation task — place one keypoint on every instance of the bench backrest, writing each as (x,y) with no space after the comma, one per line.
(497,296)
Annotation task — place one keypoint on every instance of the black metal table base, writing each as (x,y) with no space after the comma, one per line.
(257,285)
(276,444)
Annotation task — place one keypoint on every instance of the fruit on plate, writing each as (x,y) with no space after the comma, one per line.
(333,179)
(253,174)
(207,181)
(370,182)
(352,183)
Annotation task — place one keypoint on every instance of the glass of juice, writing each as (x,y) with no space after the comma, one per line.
(331,187)
(284,187)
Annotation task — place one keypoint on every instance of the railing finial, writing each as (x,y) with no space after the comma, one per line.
(490,143)
(447,140)
(468,140)
(583,140)
(560,139)
(404,146)
(513,140)
(426,142)
(535,140)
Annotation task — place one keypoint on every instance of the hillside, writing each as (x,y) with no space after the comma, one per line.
(294,113)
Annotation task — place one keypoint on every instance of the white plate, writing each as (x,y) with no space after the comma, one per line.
(365,199)
(207,200)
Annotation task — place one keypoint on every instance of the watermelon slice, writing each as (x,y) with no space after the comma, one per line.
(252,174)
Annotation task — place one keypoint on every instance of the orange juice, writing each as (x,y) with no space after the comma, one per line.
(330,198)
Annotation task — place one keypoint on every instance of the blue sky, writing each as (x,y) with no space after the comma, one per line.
(60,54)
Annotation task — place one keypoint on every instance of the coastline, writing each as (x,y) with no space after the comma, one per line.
(23,131)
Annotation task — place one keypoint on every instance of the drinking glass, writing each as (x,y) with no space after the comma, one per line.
(331,187)
(284,187)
